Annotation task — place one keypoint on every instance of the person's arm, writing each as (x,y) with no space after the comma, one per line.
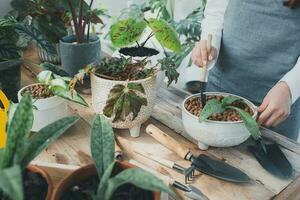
(211,24)
(276,106)
(293,80)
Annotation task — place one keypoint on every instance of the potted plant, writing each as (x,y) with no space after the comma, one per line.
(82,48)
(20,180)
(107,179)
(124,87)
(50,95)
(226,120)
(14,37)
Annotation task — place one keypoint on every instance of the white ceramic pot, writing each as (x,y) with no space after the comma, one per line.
(46,111)
(100,90)
(215,133)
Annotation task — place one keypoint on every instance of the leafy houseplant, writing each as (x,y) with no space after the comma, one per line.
(50,95)
(82,48)
(18,180)
(108,179)
(14,38)
(224,121)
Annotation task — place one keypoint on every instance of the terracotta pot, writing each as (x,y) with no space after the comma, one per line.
(45,175)
(82,174)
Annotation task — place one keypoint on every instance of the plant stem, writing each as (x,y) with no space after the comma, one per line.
(74,17)
(88,22)
(151,34)
(80,27)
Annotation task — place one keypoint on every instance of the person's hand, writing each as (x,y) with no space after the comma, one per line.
(200,55)
(276,106)
(292,3)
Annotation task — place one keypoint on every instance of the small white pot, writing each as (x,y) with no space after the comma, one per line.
(100,90)
(46,111)
(216,133)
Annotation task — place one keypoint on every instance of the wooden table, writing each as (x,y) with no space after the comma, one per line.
(73,150)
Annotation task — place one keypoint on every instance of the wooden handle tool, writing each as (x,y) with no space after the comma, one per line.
(204,68)
(167,141)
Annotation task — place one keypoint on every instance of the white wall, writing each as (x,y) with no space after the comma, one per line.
(4,7)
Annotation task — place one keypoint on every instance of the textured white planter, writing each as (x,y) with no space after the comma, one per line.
(47,110)
(100,90)
(215,133)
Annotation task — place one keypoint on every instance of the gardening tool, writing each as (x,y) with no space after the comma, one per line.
(118,151)
(271,158)
(187,172)
(190,191)
(202,163)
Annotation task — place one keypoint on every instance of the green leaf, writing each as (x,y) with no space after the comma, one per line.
(102,144)
(54,68)
(58,82)
(42,139)
(211,107)
(18,132)
(123,100)
(249,122)
(11,183)
(168,64)
(44,77)
(66,94)
(165,34)
(30,33)
(126,32)
(229,100)
(104,180)
(138,178)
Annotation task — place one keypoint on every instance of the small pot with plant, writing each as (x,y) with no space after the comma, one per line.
(124,87)
(20,180)
(82,48)
(50,96)
(226,120)
(14,38)
(107,179)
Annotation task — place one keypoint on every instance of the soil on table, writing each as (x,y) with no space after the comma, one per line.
(35,186)
(193,105)
(138,51)
(38,91)
(86,189)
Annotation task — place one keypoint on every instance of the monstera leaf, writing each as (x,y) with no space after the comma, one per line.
(165,34)
(123,100)
(126,32)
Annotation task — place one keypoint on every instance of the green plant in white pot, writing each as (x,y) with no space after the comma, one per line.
(50,95)
(82,48)
(20,180)
(14,38)
(124,87)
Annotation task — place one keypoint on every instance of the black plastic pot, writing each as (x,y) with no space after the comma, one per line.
(10,78)
(76,56)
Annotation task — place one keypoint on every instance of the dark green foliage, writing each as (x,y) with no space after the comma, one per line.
(102,148)
(21,148)
(113,66)
(168,65)
(123,100)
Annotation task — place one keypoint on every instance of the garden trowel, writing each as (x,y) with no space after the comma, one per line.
(202,163)
(272,159)
(189,190)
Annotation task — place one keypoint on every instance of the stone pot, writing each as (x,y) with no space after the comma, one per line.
(10,78)
(47,110)
(215,133)
(82,174)
(100,90)
(76,56)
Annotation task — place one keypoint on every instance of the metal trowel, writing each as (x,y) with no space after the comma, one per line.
(272,159)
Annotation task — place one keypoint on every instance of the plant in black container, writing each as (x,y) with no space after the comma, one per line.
(20,180)
(107,179)
(82,48)
(14,38)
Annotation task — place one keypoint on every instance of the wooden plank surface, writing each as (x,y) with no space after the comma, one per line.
(73,149)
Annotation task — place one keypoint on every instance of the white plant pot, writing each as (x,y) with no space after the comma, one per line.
(100,90)
(46,111)
(215,133)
